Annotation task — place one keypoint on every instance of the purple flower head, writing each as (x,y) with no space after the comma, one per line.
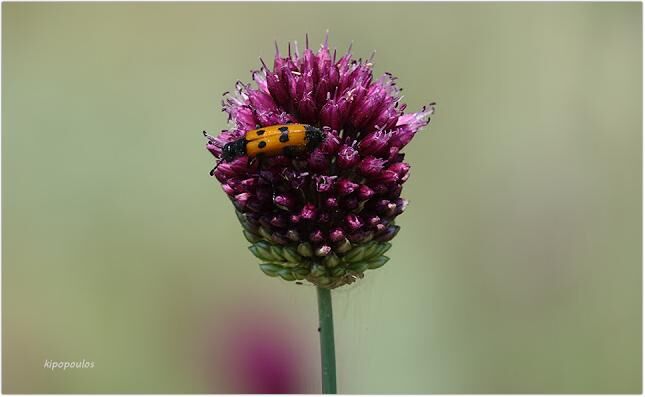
(320,213)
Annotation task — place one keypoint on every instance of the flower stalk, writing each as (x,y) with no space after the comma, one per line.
(327,348)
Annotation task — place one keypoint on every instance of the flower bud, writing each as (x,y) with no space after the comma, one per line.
(373,220)
(402,170)
(324,217)
(324,183)
(365,193)
(388,234)
(396,190)
(390,210)
(278,239)
(242,199)
(285,202)
(248,184)
(353,221)
(360,236)
(343,246)
(331,143)
(318,161)
(380,188)
(308,212)
(323,250)
(331,202)
(228,189)
(295,179)
(215,151)
(371,166)
(374,143)
(394,155)
(387,177)
(345,187)
(293,235)
(401,205)
(348,157)
(350,203)
(337,234)
(278,221)
(316,236)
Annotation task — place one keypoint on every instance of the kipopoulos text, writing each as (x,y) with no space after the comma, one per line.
(65,365)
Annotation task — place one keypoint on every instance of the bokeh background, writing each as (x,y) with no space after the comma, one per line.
(518,266)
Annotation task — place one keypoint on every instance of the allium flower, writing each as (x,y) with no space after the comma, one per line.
(327,215)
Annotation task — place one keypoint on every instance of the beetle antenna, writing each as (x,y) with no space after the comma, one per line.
(216,165)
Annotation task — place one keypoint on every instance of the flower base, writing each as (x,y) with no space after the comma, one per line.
(342,265)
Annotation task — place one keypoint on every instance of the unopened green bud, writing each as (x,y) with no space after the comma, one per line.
(370,250)
(277,252)
(262,250)
(270,269)
(358,267)
(305,249)
(323,250)
(368,237)
(338,271)
(343,246)
(382,248)
(264,233)
(377,262)
(251,237)
(302,271)
(331,260)
(291,255)
(287,275)
(318,270)
(355,254)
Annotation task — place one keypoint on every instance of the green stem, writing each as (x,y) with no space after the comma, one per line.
(327,350)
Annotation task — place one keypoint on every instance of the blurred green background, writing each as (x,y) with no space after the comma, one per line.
(518,266)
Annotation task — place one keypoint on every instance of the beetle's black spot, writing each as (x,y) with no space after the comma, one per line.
(283,129)
(284,138)
(260,132)
(262,144)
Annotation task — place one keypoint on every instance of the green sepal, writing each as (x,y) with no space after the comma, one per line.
(265,233)
(262,250)
(358,267)
(338,271)
(251,237)
(382,248)
(322,281)
(270,269)
(370,248)
(301,271)
(287,275)
(245,223)
(378,262)
(291,255)
(318,270)
(355,254)
(277,252)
